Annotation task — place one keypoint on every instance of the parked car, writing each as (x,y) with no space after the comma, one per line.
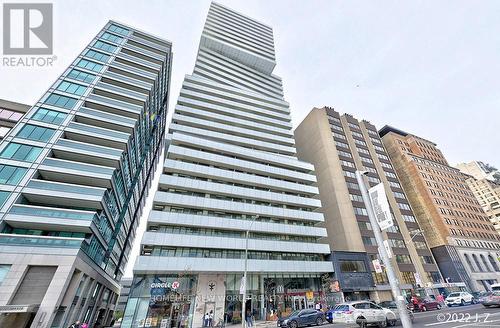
(459,298)
(392,312)
(426,305)
(492,299)
(359,312)
(482,296)
(301,318)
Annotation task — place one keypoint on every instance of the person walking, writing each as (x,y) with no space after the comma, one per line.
(205,320)
(211,318)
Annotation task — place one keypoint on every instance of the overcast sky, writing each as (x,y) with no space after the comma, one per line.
(431,68)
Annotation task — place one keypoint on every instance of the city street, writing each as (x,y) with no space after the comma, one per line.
(455,317)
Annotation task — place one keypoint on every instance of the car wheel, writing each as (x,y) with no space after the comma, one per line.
(423,308)
(382,324)
(462,302)
(391,323)
(361,322)
(319,322)
(293,324)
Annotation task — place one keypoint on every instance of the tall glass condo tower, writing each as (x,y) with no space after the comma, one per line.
(74,175)
(230,167)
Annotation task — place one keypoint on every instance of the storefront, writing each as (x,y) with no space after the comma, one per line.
(271,295)
(160,302)
(170,301)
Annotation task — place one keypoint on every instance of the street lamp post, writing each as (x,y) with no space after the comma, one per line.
(393,280)
(244,279)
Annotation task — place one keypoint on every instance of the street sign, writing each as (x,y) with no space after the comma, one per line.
(388,248)
(243,286)
(380,206)
(377,266)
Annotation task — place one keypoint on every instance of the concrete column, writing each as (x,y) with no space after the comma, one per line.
(53,297)
(12,280)
(210,295)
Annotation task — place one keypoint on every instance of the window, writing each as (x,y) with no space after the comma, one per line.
(61,101)
(352,266)
(399,195)
(36,133)
(409,218)
(420,244)
(10,115)
(99,56)
(3,197)
(356,198)
(104,46)
(347,163)
(49,116)
(492,261)
(345,153)
(338,135)
(11,175)
(360,211)
(404,206)
(364,225)
(397,243)
(408,278)
(404,259)
(349,174)
(426,259)
(21,152)
(90,65)
(118,29)
(370,241)
(73,88)
(4,269)
(81,76)
(111,37)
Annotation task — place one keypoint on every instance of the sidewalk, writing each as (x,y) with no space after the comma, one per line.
(257,324)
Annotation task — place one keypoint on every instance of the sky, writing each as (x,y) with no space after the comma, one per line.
(430,68)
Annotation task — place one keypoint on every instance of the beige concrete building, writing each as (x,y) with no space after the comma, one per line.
(460,235)
(487,194)
(338,146)
(480,170)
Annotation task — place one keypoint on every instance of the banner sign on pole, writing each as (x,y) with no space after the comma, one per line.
(380,206)
(377,266)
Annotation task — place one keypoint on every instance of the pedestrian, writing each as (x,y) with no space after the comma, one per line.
(75,324)
(210,318)
(248,318)
(205,320)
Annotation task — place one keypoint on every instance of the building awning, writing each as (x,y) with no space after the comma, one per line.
(19,308)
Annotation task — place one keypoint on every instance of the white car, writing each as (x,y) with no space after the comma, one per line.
(361,313)
(459,298)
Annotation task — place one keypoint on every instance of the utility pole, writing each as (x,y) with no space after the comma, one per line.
(244,279)
(393,280)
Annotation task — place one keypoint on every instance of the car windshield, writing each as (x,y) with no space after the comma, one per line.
(295,313)
(342,307)
(454,295)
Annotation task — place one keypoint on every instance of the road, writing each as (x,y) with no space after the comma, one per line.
(468,316)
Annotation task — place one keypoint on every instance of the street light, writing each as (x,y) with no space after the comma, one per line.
(393,281)
(244,280)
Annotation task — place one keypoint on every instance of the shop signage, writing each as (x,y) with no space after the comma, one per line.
(377,266)
(309,295)
(171,285)
(380,206)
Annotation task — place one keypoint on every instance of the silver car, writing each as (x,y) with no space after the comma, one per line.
(492,300)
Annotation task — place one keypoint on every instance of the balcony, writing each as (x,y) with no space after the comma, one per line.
(105,120)
(87,153)
(95,135)
(49,218)
(39,241)
(75,172)
(63,194)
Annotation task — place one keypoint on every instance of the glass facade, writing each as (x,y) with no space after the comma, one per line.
(83,157)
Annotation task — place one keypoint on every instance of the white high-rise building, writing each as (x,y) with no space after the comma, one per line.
(230,166)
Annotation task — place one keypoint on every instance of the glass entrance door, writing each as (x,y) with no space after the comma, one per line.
(299,303)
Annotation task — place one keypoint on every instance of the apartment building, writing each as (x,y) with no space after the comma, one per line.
(338,146)
(231,182)
(464,242)
(480,170)
(75,174)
